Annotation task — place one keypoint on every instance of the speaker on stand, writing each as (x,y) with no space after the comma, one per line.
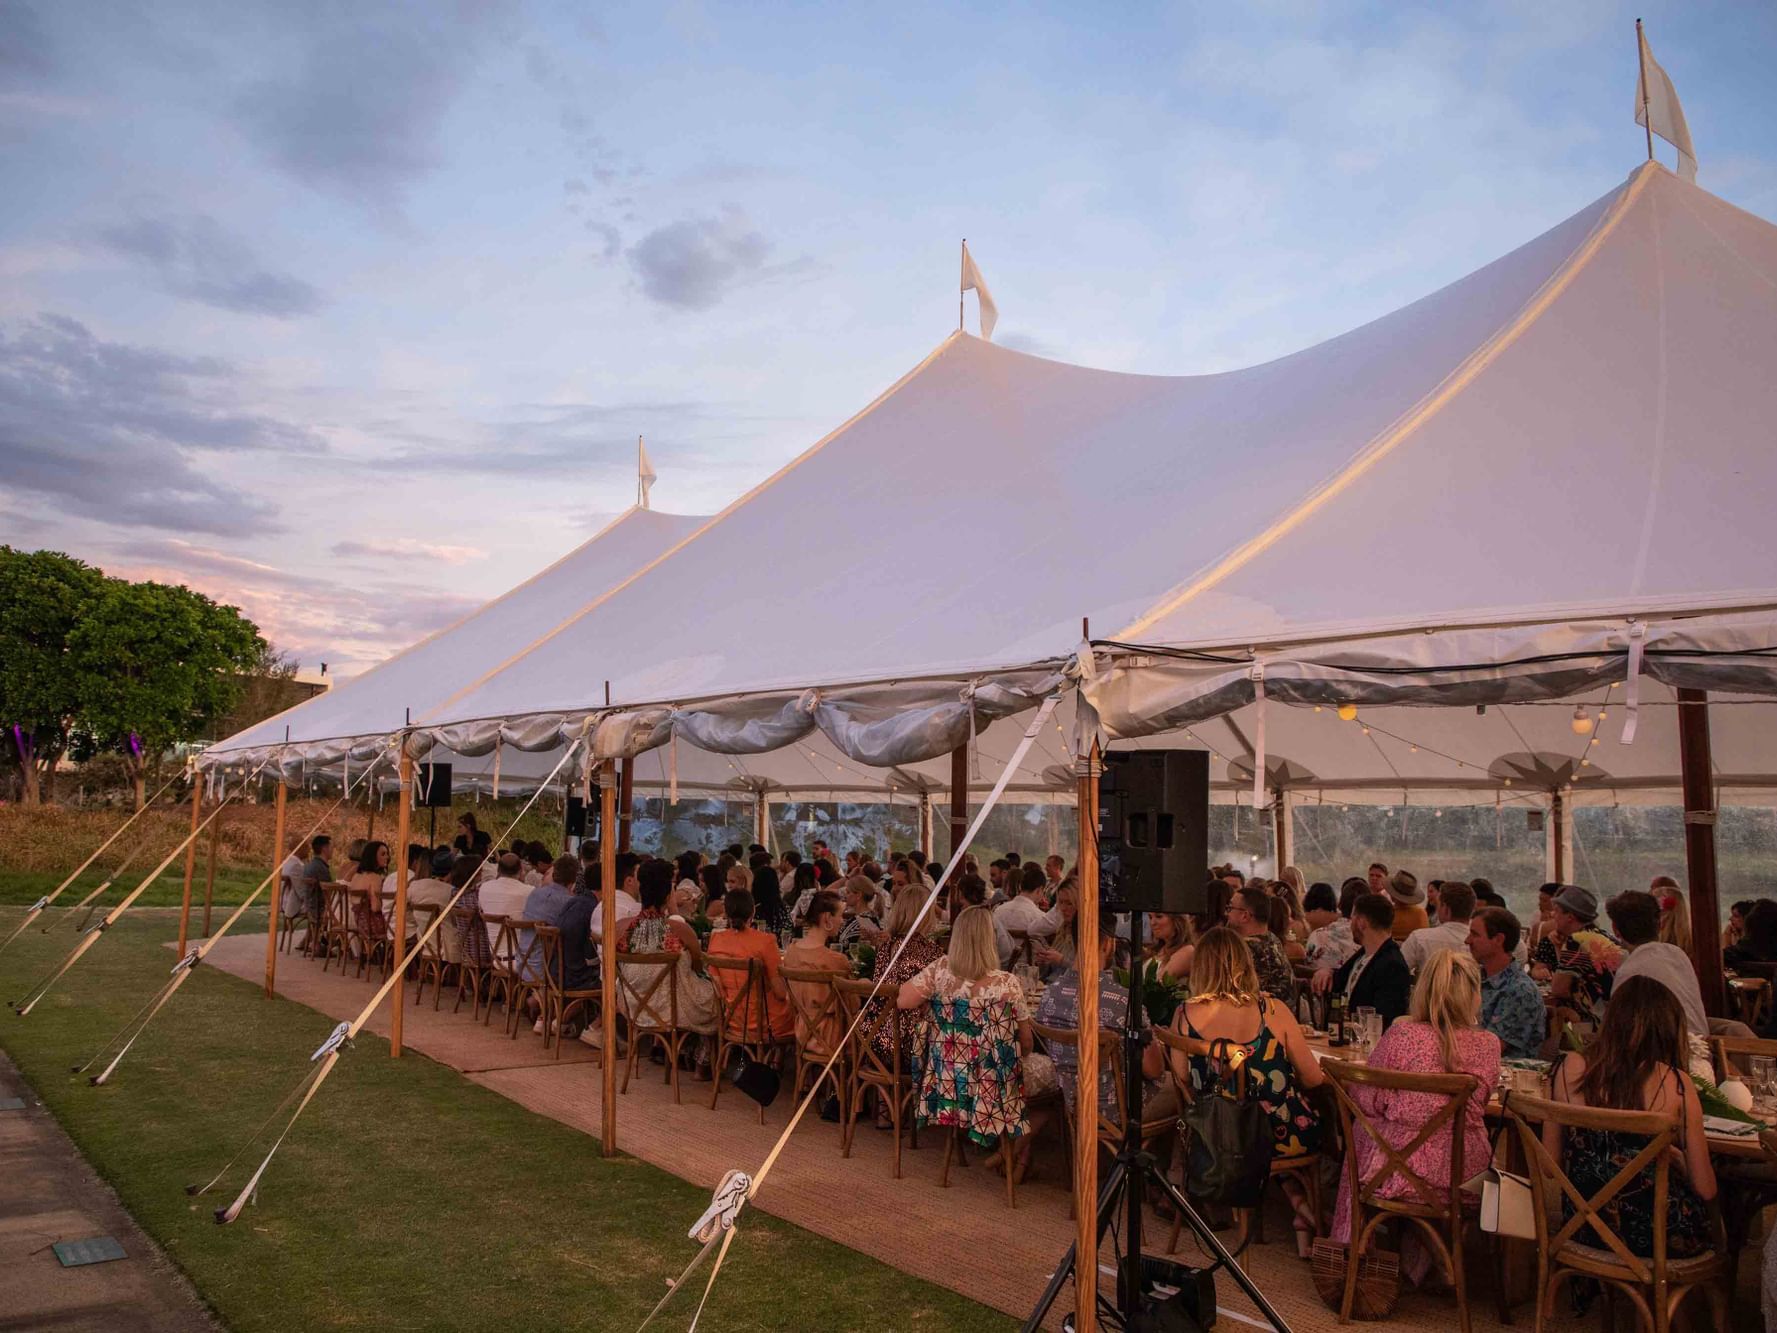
(431,789)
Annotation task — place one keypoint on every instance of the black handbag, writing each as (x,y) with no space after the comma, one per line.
(1230,1140)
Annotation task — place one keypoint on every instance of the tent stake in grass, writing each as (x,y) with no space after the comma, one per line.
(93,897)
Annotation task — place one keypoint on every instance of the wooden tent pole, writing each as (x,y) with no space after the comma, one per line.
(608,955)
(959,798)
(210,870)
(399,943)
(197,800)
(625,802)
(1558,834)
(1087,772)
(277,861)
(1698,774)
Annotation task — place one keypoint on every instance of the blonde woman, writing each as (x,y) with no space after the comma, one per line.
(980,1066)
(1675,913)
(1292,887)
(1439,1036)
(1175,941)
(1233,1025)
(1058,953)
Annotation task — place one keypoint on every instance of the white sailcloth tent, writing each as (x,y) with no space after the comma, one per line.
(1542,483)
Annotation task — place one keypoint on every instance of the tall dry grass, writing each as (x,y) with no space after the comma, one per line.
(54,839)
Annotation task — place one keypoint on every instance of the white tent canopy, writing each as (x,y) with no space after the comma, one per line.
(1541,480)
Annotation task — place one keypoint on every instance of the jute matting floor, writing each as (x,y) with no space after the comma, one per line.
(963,1237)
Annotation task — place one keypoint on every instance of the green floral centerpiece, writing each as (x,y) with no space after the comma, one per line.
(865,957)
(1160,995)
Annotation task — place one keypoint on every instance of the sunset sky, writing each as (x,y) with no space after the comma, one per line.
(350,313)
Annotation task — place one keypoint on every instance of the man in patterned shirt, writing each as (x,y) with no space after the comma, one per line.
(1576,956)
(1249,915)
(1060,1008)
(1512,1007)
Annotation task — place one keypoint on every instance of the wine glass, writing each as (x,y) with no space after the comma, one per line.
(1365,1042)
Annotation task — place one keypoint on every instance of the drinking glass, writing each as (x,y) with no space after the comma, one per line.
(1764,1080)
(1362,1016)
(1372,1031)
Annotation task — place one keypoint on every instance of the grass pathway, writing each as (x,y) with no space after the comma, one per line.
(408,1197)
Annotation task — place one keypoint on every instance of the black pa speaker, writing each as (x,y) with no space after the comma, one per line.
(1153,831)
(432,786)
(576,818)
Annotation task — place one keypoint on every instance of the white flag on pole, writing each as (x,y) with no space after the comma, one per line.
(1656,106)
(972,281)
(644,471)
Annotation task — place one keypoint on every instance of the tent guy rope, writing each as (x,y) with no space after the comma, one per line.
(327,1055)
(188,964)
(79,870)
(952,864)
(91,937)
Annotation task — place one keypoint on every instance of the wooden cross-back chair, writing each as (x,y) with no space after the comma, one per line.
(1304,1168)
(472,977)
(820,1012)
(892,1078)
(1436,1212)
(648,996)
(334,931)
(1586,1245)
(556,999)
(288,889)
(370,944)
(529,976)
(427,961)
(502,972)
(743,1016)
(1733,1056)
(988,1020)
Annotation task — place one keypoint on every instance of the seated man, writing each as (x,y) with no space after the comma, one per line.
(1376,976)
(1060,1008)
(1025,912)
(505,895)
(546,904)
(1456,904)
(1512,1008)
(432,889)
(1329,934)
(1635,917)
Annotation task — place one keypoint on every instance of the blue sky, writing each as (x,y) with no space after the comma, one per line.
(350,312)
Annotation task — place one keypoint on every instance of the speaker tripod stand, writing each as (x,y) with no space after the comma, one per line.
(1132,1171)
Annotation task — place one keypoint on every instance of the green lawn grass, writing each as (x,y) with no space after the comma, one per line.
(407,1197)
(24,887)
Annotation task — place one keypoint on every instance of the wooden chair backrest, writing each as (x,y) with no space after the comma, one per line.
(817,1013)
(1723,1049)
(639,1001)
(1110,1051)
(504,947)
(420,917)
(740,998)
(887,1017)
(527,948)
(1454,1092)
(1525,1113)
(334,913)
(1189,1046)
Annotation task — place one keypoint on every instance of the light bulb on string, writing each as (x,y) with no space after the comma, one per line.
(1348,712)
(1582,721)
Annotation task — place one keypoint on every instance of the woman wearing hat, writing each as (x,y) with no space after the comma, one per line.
(1574,954)
(1409,905)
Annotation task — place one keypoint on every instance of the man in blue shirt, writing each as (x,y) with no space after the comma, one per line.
(1512,1007)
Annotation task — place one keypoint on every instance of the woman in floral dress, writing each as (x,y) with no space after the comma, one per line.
(974,1074)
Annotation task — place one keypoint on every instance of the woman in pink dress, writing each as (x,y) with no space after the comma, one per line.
(1439,1036)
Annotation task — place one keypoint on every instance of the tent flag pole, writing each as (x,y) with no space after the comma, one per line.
(278,853)
(1085,1165)
(399,942)
(190,844)
(959,288)
(1641,60)
(608,887)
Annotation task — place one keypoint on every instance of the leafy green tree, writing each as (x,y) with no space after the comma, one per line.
(44,596)
(160,663)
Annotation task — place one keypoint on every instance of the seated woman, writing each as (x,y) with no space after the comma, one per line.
(1175,942)
(903,954)
(1637,1063)
(1758,943)
(656,930)
(473,949)
(1439,1035)
(367,911)
(979,1066)
(861,923)
(810,952)
(1226,1004)
(744,940)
